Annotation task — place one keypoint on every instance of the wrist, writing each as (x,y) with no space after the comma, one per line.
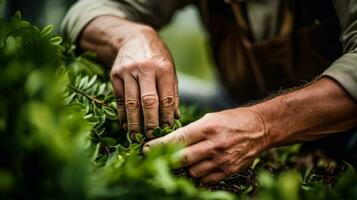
(250,120)
(271,117)
(310,113)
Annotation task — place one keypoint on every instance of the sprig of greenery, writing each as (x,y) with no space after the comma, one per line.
(58,129)
(60,138)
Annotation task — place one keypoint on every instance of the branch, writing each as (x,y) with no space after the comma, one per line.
(97,101)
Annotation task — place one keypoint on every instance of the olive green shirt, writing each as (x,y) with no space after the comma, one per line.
(158,13)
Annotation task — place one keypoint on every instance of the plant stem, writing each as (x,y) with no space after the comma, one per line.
(97,101)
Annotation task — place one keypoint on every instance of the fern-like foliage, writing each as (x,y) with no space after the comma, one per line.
(60,138)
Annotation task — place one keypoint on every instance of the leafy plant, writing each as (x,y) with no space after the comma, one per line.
(60,138)
(58,132)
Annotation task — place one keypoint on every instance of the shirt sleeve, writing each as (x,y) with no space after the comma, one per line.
(344,70)
(155,13)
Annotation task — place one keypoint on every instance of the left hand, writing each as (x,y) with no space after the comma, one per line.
(219,144)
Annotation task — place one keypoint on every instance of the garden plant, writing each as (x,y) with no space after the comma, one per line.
(60,138)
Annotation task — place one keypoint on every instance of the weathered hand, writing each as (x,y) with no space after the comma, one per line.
(144,80)
(219,144)
(142,74)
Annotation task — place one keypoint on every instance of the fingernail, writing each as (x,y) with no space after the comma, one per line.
(150,133)
(146,148)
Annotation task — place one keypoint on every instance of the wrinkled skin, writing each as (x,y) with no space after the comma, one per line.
(143,73)
(219,144)
(224,143)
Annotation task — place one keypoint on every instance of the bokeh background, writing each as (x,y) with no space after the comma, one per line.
(184,36)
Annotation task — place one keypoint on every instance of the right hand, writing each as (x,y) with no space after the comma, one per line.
(143,73)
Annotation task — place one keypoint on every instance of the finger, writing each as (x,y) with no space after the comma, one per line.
(185,136)
(195,153)
(149,102)
(118,87)
(177,101)
(203,168)
(166,90)
(132,104)
(213,178)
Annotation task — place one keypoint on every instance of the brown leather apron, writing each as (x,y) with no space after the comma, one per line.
(251,70)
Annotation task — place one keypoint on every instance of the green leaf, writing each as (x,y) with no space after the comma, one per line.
(255,163)
(165,131)
(18,15)
(25,24)
(47,30)
(91,81)
(306,174)
(95,152)
(139,137)
(99,132)
(83,82)
(110,112)
(69,98)
(108,141)
(128,138)
(57,40)
(177,124)
(102,121)
(101,88)
(157,132)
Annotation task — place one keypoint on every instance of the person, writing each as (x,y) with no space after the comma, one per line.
(259,46)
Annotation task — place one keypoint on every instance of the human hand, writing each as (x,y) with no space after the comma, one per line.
(219,144)
(143,73)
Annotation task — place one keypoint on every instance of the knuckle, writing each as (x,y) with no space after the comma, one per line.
(148,65)
(181,138)
(130,68)
(149,101)
(168,101)
(150,125)
(132,104)
(220,146)
(116,73)
(133,127)
(165,67)
(120,103)
(212,128)
(122,70)
(144,67)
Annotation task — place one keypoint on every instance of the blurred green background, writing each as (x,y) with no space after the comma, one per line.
(186,40)
(184,36)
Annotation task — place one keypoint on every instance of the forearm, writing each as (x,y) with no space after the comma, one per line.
(310,113)
(105,35)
